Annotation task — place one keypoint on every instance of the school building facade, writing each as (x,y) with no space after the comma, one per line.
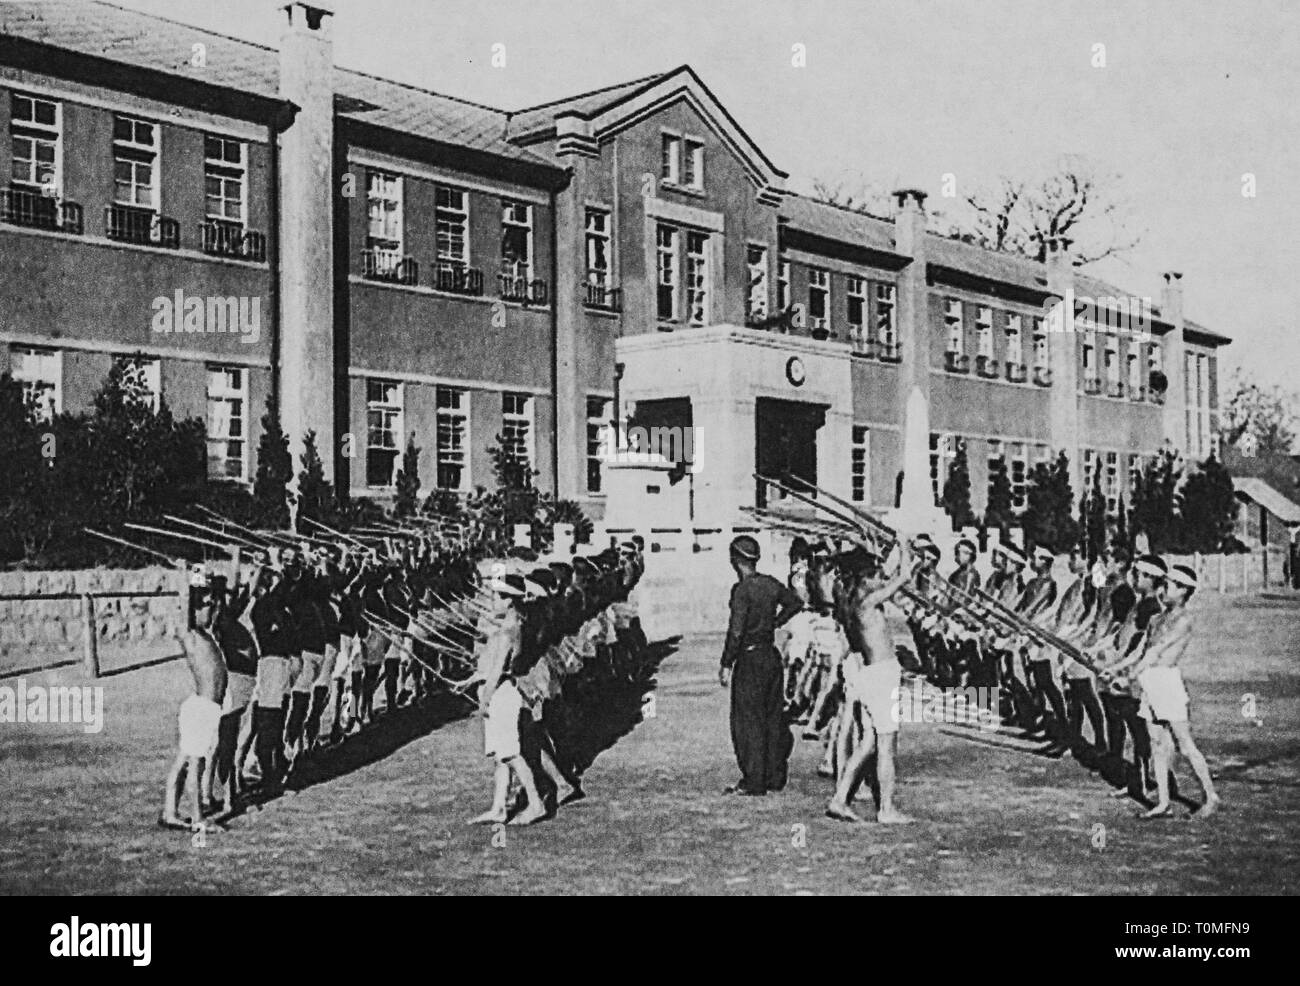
(383,261)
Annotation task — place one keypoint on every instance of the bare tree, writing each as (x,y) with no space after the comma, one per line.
(1258,421)
(1072,200)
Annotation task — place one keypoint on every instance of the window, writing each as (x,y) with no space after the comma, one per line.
(598,268)
(384,205)
(135,159)
(984,331)
(451,219)
(1134,371)
(453,431)
(886,334)
(35,130)
(783,284)
(383,431)
(1111,482)
(1089,359)
(1042,355)
(1015,343)
(756,266)
(856,292)
(996,461)
(517,240)
(517,428)
(1112,358)
(40,371)
(671,167)
(953,321)
(145,376)
(1134,472)
(228,423)
(693,164)
(224,172)
(861,463)
(1197,382)
(943,449)
(1155,358)
(819,293)
(1018,465)
(1089,470)
(666,240)
(597,426)
(697,278)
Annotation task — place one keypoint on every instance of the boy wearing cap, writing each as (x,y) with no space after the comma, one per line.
(964,576)
(759,734)
(200,714)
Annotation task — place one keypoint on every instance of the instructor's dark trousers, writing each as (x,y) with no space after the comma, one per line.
(759,732)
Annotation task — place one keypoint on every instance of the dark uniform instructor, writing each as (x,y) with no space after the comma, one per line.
(759,604)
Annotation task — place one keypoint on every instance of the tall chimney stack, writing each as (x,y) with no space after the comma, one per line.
(306,230)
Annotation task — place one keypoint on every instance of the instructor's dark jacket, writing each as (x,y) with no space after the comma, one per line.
(759,604)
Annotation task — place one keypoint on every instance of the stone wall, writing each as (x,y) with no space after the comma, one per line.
(42,622)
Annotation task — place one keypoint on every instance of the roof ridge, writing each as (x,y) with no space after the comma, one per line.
(591,92)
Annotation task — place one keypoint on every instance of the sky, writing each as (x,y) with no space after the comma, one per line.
(1188,102)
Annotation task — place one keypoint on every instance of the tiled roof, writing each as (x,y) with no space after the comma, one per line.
(836,223)
(150,42)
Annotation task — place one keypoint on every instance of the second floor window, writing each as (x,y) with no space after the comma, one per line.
(1134,371)
(855,293)
(383,431)
(984,331)
(1015,347)
(819,293)
(756,266)
(1089,359)
(885,331)
(697,278)
(782,284)
(35,132)
(224,172)
(40,372)
(228,423)
(598,266)
(384,207)
(517,240)
(452,221)
(1112,359)
(135,162)
(952,319)
(666,263)
(453,429)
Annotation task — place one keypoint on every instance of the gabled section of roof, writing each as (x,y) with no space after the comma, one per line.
(834,222)
(579,125)
(1285,510)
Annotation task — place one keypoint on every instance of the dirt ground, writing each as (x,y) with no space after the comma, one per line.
(386,813)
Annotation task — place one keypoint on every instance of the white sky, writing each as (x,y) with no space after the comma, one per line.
(1195,94)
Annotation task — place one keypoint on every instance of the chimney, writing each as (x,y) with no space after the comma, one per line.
(909,221)
(306,150)
(1064,355)
(1171,300)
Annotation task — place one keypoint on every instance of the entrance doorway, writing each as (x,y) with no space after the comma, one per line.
(785,442)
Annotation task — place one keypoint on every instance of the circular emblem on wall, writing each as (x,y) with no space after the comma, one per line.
(795,372)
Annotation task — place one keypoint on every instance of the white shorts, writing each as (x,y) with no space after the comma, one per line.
(239,691)
(1164,697)
(309,672)
(375,646)
(327,666)
(501,727)
(874,687)
(343,660)
(198,719)
(272,681)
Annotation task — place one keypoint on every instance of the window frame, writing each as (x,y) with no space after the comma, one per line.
(36,132)
(443,455)
(605,236)
(509,268)
(396,426)
(596,443)
(668,274)
(860,465)
(526,418)
(227,394)
(224,170)
(446,218)
(137,153)
(50,361)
